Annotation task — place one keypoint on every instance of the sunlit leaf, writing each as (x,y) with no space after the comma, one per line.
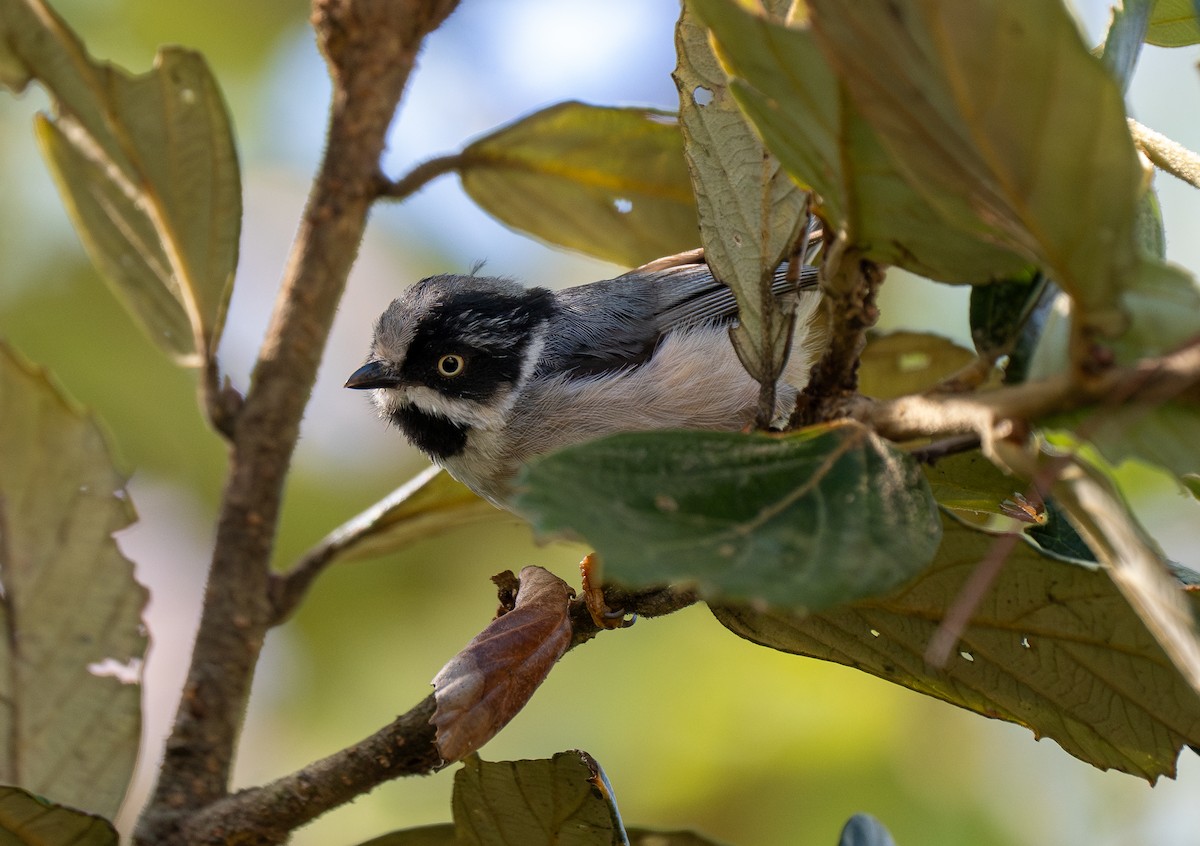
(901,363)
(802,110)
(147,168)
(27,820)
(608,182)
(1173,23)
(969,483)
(563,801)
(1053,646)
(70,666)
(958,96)
(822,516)
(750,209)
(429,504)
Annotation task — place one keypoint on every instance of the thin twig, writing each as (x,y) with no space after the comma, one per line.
(263,816)
(1166,154)
(418,177)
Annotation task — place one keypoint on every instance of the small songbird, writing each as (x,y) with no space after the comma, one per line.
(483,374)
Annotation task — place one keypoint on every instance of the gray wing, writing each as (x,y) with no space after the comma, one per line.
(618,323)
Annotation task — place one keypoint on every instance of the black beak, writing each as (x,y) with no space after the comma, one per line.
(373,374)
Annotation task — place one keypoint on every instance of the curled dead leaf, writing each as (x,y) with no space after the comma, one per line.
(486,684)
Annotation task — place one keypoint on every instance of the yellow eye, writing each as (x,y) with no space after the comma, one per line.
(451,365)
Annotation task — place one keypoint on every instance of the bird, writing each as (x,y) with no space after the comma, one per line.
(483,374)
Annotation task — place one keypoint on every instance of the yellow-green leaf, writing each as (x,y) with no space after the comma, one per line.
(901,363)
(1173,23)
(70,666)
(430,503)
(609,182)
(147,168)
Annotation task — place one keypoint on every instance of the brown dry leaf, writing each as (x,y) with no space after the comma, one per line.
(484,686)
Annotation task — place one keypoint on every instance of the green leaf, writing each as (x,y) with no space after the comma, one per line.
(1173,23)
(1123,44)
(822,516)
(608,182)
(429,504)
(69,668)
(563,801)
(803,112)
(751,211)
(445,834)
(1053,646)
(1007,319)
(148,170)
(901,363)
(970,484)
(441,834)
(959,95)
(28,820)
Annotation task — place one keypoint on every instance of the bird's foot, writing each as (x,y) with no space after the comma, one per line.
(593,596)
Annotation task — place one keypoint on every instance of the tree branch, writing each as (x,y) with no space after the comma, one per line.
(850,285)
(1150,382)
(264,816)
(371,46)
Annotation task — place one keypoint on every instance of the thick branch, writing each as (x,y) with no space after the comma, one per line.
(264,816)
(850,286)
(371,46)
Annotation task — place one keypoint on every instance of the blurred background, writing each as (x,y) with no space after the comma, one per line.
(695,728)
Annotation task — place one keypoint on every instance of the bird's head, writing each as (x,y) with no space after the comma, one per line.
(451,355)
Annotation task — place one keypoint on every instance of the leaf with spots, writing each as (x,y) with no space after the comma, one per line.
(1053,646)
(70,699)
(821,516)
(609,182)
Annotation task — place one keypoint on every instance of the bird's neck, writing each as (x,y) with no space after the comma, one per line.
(437,436)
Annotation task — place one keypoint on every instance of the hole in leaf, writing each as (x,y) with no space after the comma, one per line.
(702,96)
(623,205)
(913,361)
(666,504)
(967,656)
(1025,643)
(126,672)
(874,632)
